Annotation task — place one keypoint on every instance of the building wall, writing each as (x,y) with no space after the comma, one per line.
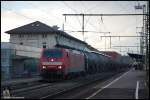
(69,42)
(6,63)
(17,68)
(14,65)
(50,40)
(38,40)
(35,40)
(24,67)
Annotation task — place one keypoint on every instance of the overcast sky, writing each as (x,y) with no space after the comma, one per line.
(19,13)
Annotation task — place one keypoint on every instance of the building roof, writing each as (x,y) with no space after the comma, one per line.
(35,27)
(38,27)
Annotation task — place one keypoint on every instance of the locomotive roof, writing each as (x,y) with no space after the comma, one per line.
(101,54)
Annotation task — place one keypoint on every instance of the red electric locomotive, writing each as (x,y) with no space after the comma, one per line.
(61,62)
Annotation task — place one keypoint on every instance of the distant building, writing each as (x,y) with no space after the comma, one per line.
(6,60)
(40,35)
(14,64)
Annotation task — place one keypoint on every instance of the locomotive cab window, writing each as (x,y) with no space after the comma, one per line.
(52,53)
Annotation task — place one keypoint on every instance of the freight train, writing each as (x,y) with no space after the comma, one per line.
(64,63)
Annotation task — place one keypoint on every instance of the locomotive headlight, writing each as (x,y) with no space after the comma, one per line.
(59,67)
(44,67)
(52,59)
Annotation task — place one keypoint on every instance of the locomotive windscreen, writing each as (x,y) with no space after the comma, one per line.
(56,53)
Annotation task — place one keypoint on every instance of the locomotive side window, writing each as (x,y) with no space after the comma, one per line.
(67,54)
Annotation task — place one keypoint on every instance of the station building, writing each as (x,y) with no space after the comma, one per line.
(38,34)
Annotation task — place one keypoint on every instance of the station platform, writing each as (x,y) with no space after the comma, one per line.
(20,81)
(130,85)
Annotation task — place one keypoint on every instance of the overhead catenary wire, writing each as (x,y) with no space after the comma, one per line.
(88,31)
(94,7)
(90,9)
(92,24)
(32,19)
(77,17)
(102,21)
(86,22)
(71,9)
(136,30)
(45,11)
(51,14)
(88,16)
(88,19)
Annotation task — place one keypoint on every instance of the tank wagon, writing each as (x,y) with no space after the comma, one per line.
(63,63)
(97,62)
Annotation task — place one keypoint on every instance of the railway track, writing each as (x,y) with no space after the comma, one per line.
(30,88)
(84,83)
(38,91)
(50,90)
(21,86)
(83,91)
(25,85)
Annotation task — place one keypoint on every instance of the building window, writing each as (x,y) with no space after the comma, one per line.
(21,43)
(12,35)
(22,35)
(44,35)
(37,25)
(19,35)
(30,35)
(70,40)
(44,44)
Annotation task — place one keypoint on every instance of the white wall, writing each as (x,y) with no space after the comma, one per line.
(69,42)
(35,40)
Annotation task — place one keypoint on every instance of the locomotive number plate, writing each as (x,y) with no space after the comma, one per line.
(52,63)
